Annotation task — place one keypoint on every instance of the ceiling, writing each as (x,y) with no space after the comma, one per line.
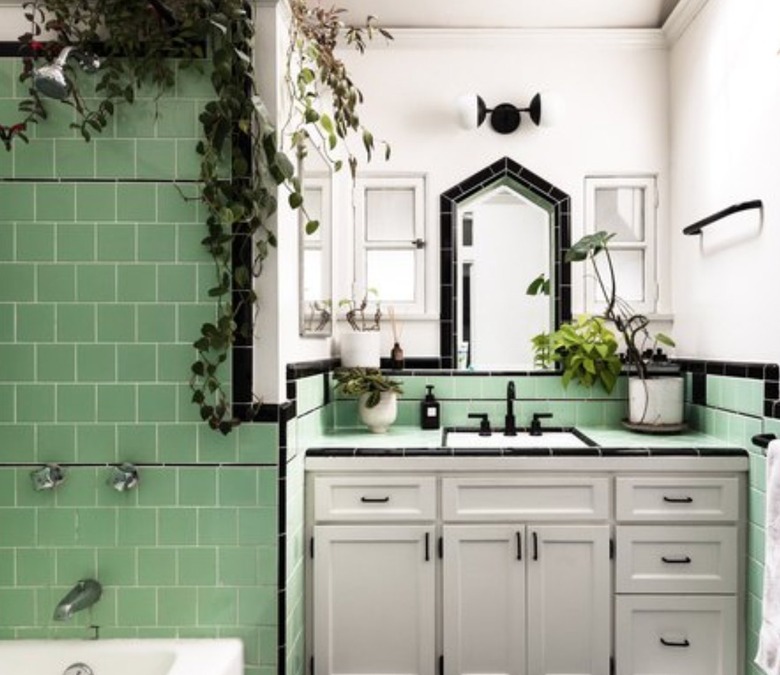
(512,13)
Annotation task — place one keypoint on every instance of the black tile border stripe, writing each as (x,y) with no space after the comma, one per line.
(596,452)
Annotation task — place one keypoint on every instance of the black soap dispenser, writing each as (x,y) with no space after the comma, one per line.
(430,410)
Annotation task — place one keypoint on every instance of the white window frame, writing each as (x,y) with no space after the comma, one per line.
(416,183)
(594,302)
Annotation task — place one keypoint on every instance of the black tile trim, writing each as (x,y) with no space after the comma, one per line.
(594,452)
(560,204)
(768,372)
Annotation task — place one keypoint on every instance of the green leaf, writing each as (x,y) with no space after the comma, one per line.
(296,200)
(312,226)
(665,340)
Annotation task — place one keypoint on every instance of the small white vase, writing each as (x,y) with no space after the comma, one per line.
(360,349)
(382,415)
(655,401)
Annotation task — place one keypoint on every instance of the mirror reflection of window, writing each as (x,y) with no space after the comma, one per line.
(504,244)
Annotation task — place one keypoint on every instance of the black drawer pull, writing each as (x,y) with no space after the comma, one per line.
(536,546)
(519,542)
(678,500)
(375,500)
(682,560)
(675,643)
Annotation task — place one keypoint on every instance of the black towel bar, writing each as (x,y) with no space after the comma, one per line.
(697,227)
(762,440)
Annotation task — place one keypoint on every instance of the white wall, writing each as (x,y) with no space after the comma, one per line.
(614,84)
(725,94)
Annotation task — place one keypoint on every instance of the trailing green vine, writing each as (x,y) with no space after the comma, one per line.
(138,40)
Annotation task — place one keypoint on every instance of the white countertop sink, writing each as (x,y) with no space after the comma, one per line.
(523,439)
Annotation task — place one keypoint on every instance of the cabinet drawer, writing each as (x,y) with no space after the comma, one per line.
(538,498)
(678,559)
(374,498)
(676,635)
(677,499)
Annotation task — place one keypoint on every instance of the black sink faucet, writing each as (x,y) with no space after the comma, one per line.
(536,424)
(510,428)
(484,424)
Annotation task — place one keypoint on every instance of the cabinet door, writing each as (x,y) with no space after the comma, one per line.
(484,599)
(568,600)
(374,600)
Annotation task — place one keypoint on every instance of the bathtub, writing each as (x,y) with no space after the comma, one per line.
(122,657)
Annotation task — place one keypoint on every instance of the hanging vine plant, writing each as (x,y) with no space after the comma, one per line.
(141,43)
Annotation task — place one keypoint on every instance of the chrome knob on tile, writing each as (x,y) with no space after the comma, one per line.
(47,477)
(123,477)
(78,669)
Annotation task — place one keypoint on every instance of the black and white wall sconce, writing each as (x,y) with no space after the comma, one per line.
(545,109)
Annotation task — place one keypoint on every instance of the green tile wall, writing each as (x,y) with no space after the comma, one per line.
(102,290)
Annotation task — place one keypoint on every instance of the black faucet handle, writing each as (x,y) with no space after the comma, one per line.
(484,424)
(542,416)
(536,424)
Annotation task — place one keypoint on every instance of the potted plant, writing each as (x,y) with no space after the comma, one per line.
(655,399)
(360,347)
(377,395)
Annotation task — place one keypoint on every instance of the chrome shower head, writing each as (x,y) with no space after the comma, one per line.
(50,80)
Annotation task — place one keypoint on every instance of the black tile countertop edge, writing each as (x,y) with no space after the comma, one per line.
(526,452)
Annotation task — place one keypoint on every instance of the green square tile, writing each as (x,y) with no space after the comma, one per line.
(156,566)
(7,241)
(198,566)
(138,443)
(96,202)
(237,566)
(96,283)
(56,527)
(97,527)
(8,322)
(17,607)
(192,317)
(157,403)
(137,202)
(55,202)
(177,443)
(157,243)
(214,447)
(116,323)
(7,402)
(116,242)
(157,323)
(96,443)
(238,487)
(177,607)
(18,363)
(267,479)
(76,323)
(76,403)
(138,526)
(34,242)
(56,283)
(136,607)
(156,159)
(188,244)
(187,160)
(177,119)
(137,283)
(17,282)
(158,488)
(35,403)
(18,200)
(217,606)
(57,123)
(177,527)
(96,363)
(137,120)
(117,566)
(178,204)
(257,526)
(35,323)
(56,443)
(193,80)
(56,363)
(76,563)
(18,526)
(217,526)
(34,159)
(197,487)
(258,606)
(35,567)
(115,158)
(76,242)
(75,158)
(116,403)
(8,483)
(136,363)
(174,363)
(258,443)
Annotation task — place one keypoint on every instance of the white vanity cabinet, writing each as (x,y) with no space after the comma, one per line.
(677,575)
(465,570)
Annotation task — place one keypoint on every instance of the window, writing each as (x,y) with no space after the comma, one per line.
(390,240)
(625,206)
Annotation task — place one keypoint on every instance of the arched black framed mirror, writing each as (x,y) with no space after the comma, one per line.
(505,183)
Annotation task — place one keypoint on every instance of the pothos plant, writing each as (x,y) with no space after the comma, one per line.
(242,163)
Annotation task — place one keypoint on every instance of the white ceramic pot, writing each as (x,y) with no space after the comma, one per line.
(382,415)
(655,400)
(360,349)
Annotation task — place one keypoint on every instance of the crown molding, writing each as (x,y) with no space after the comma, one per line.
(682,17)
(502,38)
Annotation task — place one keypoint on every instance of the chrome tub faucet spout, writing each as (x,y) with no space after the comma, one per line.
(84,594)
